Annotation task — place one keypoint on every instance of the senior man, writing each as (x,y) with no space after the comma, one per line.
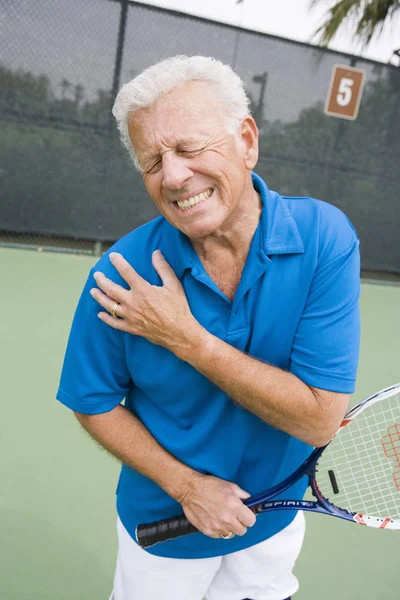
(232,333)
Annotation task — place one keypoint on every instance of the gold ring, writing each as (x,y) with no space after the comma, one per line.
(114,308)
(227,537)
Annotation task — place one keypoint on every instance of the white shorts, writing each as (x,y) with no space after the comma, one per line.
(262,572)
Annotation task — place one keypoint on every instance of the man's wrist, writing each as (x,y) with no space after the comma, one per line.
(197,342)
(179,482)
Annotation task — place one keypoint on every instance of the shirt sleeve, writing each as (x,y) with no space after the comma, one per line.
(95,377)
(326,346)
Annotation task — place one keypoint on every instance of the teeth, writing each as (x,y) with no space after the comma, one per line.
(186,204)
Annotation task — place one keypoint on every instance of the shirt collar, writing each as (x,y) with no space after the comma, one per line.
(279,232)
(177,249)
(278,229)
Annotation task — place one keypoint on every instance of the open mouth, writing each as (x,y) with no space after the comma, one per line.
(188,204)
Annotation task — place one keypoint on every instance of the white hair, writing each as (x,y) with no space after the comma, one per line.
(161,78)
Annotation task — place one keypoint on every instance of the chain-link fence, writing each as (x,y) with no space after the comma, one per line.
(66,182)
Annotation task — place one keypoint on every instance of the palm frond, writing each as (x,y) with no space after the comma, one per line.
(369,16)
(376,13)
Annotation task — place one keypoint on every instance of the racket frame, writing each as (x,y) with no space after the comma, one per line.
(262,502)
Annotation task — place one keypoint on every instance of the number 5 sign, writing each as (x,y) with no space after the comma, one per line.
(345,92)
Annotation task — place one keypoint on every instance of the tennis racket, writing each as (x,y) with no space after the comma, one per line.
(356,476)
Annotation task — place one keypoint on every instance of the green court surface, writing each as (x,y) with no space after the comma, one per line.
(57,503)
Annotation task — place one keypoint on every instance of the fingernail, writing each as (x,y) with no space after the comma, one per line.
(113,255)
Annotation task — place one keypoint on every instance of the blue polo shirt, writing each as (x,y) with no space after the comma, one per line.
(296,307)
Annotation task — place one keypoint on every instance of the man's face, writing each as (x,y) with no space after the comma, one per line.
(194,171)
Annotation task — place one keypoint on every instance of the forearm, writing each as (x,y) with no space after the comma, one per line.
(162,315)
(213,505)
(276,396)
(124,436)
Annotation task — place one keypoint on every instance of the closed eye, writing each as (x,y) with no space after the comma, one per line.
(190,152)
(156,166)
(153,168)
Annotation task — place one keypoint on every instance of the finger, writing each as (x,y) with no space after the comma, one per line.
(165,271)
(242,494)
(246,516)
(126,270)
(114,322)
(106,302)
(234,526)
(112,290)
(238,528)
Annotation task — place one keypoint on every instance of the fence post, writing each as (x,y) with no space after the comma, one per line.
(118,58)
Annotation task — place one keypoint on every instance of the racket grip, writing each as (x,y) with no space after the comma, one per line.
(168,529)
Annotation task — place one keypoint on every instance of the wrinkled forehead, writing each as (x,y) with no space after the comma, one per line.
(191,110)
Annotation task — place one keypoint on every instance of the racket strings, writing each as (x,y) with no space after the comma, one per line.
(391,446)
(365,460)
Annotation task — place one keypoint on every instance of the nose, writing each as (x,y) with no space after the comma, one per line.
(175,171)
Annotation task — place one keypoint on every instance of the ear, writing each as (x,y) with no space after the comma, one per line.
(249,138)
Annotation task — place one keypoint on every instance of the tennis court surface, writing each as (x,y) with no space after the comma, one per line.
(57,520)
